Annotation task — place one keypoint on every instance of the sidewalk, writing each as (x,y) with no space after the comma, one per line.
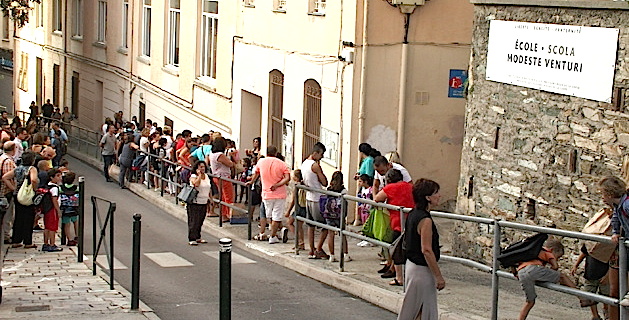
(467,294)
(53,285)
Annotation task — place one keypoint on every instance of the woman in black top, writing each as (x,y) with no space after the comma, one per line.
(423,277)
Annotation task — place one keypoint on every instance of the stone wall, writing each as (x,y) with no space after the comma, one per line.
(542,165)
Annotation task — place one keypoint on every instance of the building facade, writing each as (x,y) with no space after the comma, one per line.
(534,155)
(292,73)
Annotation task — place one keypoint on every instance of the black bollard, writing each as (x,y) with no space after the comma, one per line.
(225,281)
(135,263)
(81,232)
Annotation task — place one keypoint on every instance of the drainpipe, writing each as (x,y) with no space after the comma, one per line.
(363,77)
(407,10)
(131,45)
(65,56)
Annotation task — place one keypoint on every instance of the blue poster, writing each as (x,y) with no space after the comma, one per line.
(456,83)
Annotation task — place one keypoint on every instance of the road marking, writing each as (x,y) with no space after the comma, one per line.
(236,258)
(102,262)
(168,259)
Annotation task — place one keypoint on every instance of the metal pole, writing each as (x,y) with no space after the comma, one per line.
(224,283)
(135,263)
(494,271)
(112,209)
(249,212)
(162,176)
(81,233)
(343,237)
(622,276)
(220,198)
(295,206)
(94,234)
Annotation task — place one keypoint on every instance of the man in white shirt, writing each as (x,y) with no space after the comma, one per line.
(382,165)
(21,135)
(315,178)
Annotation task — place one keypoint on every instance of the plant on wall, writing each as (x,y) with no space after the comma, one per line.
(18,10)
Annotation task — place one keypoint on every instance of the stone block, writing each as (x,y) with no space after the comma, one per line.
(527,164)
(580,129)
(586,167)
(586,143)
(612,151)
(605,135)
(498,109)
(563,137)
(580,186)
(505,204)
(591,114)
(510,189)
(565,180)
(563,129)
(623,139)
(621,126)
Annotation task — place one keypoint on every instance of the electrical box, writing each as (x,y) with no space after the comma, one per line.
(409,2)
(348,55)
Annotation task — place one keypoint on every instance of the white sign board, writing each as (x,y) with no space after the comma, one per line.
(571,60)
(330,140)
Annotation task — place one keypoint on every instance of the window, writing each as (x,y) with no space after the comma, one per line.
(312,115)
(39,14)
(146,28)
(279,5)
(173,33)
(75,94)
(125,24)
(78,18)
(276,107)
(209,35)
(317,7)
(22,80)
(57,12)
(5,26)
(102,21)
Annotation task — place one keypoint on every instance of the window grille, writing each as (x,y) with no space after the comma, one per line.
(312,115)
(209,39)
(276,106)
(146,28)
(102,21)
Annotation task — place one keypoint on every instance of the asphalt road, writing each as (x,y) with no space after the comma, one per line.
(260,289)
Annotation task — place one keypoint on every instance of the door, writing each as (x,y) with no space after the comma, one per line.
(55,85)
(75,94)
(38,82)
(141,115)
(250,120)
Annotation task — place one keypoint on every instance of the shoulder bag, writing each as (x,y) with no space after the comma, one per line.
(26,193)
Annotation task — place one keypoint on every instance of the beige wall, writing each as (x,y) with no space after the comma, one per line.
(439,40)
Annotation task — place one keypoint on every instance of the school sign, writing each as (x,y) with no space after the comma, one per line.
(571,60)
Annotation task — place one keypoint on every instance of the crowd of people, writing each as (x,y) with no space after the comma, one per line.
(186,160)
(37,185)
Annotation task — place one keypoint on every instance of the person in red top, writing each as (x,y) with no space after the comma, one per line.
(397,193)
(182,141)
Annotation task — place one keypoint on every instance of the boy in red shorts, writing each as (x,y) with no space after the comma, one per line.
(52,216)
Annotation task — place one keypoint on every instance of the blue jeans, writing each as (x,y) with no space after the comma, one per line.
(108,161)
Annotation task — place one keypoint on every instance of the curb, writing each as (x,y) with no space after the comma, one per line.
(378,296)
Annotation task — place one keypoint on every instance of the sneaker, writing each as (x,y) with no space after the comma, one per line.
(320,254)
(54,249)
(273,240)
(284,233)
(72,243)
(362,243)
(201,241)
(193,243)
(333,259)
(347,258)
(312,255)
(45,247)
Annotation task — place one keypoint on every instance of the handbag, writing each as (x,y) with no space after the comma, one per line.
(26,193)
(382,225)
(398,250)
(368,226)
(188,194)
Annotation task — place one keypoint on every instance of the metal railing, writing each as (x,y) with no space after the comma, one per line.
(497,225)
(101,234)
(494,269)
(164,164)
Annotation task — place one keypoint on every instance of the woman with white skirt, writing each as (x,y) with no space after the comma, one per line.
(422,276)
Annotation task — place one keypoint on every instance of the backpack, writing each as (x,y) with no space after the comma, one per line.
(69,200)
(522,251)
(330,207)
(42,201)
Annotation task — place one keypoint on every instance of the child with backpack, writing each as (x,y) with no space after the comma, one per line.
(69,198)
(49,205)
(331,211)
(529,272)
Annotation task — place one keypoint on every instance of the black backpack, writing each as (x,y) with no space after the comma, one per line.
(522,251)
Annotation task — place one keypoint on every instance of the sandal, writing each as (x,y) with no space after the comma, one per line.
(394,282)
(261,237)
